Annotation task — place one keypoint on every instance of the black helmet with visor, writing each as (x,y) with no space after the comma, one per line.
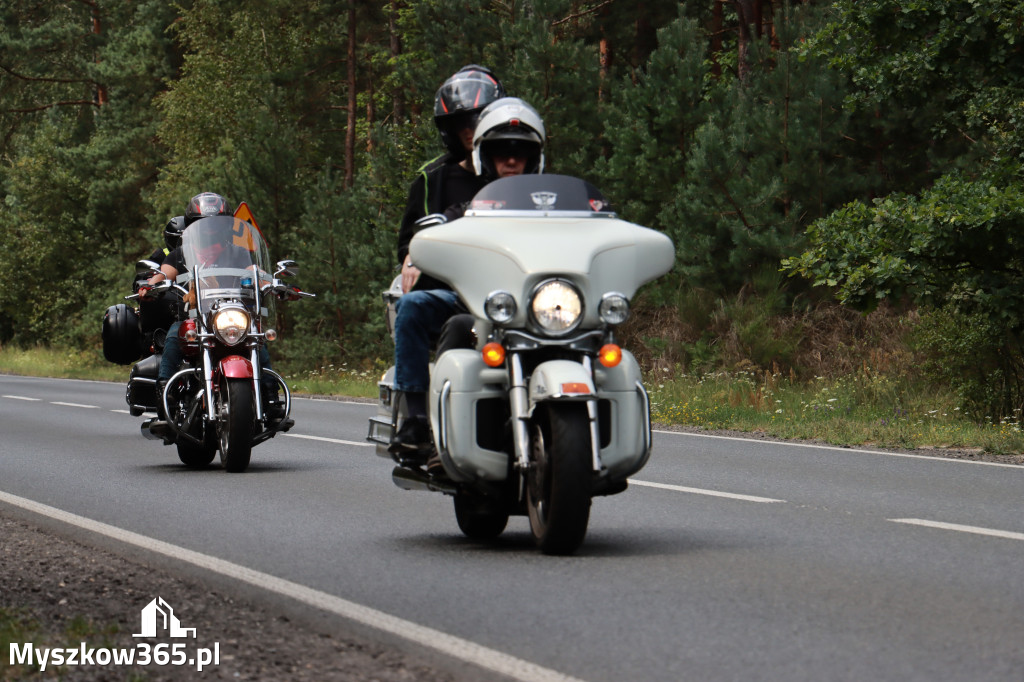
(459,101)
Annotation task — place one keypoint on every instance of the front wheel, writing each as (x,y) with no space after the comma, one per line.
(479,519)
(197,456)
(558,482)
(236,423)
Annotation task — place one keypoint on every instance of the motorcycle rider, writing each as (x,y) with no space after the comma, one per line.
(203,205)
(448,179)
(508,140)
(161,314)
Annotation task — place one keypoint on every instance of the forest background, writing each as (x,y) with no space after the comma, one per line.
(842,179)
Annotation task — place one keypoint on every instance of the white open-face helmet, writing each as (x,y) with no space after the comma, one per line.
(508,124)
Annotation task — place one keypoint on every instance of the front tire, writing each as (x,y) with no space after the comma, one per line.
(236,424)
(197,456)
(478,519)
(189,418)
(558,483)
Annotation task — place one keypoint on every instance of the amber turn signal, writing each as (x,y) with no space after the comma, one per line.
(494,354)
(610,355)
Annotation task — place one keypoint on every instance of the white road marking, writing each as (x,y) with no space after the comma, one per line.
(459,648)
(90,407)
(701,491)
(328,440)
(121,411)
(22,397)
(786,443)
(1009,535)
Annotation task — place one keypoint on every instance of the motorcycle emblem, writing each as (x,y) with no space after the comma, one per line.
(544,200)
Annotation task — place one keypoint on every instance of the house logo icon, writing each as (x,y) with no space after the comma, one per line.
(158,615)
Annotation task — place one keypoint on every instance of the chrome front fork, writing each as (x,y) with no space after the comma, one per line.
(520,408)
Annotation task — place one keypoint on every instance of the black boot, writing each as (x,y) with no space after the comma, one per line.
(411,442)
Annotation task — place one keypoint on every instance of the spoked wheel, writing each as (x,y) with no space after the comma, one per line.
(478,518)
(189,419)
(236,422)
(558,482)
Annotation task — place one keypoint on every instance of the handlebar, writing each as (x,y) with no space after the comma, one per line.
(157,290)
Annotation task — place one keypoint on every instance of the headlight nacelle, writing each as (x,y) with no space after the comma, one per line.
(556,306)
(231,325)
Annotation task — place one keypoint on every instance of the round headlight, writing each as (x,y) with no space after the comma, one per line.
(557,307)
(231,325)
(614,308)
(500,307)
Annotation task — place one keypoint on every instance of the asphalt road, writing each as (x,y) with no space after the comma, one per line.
(726,559)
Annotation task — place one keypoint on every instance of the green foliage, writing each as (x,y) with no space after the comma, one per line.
(957,242)
(892,130)
(937,100)
(978,359)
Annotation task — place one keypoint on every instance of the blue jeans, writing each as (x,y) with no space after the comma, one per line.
(419,317)
(172,356)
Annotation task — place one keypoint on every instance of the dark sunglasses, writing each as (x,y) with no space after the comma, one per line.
(506,149)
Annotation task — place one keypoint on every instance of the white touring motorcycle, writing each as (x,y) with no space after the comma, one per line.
(547,411)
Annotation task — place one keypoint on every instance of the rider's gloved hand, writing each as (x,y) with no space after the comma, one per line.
(291,293)
(144,291)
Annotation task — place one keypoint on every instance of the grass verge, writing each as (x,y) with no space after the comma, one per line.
(860,409)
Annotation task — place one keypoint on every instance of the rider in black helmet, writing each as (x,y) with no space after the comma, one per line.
(448,179)
(445,181)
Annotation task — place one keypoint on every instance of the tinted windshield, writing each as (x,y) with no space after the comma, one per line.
(548,193)
(230,255)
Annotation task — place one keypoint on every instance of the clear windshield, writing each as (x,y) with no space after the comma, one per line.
(230,257)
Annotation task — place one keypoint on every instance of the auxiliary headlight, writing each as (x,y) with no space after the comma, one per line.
(500,307)
(231,325)
(614,308)
(557,307)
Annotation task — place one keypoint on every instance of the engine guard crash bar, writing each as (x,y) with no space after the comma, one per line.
(268,433)
(648,436)
(172,424)
(263,435)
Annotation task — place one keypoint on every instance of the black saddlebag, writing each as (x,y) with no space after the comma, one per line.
(141,393)
(122,335)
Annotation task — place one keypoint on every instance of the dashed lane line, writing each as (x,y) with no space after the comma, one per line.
(88,407)
(456,647)
(329,440)
(701,491)
(977,530)
(835,448)
(22,397)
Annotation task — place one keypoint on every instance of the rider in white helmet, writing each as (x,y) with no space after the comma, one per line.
(508,140)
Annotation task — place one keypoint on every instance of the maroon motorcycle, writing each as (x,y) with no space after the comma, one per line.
(224,398)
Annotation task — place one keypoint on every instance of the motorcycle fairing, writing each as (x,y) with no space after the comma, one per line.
(459,381)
